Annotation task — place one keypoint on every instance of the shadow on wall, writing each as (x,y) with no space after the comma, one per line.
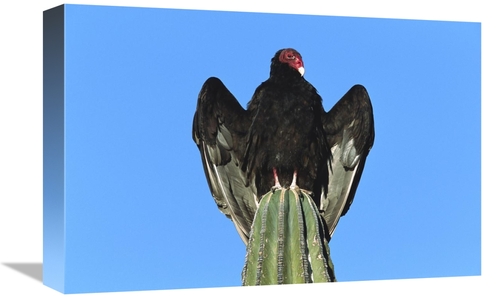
(33,270)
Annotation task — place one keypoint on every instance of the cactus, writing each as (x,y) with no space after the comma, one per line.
(287,242)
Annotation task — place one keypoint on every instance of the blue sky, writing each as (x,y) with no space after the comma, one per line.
(417,209)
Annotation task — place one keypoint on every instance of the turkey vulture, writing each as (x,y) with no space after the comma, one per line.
(283,139)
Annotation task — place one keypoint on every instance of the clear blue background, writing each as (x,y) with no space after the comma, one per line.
(139,211)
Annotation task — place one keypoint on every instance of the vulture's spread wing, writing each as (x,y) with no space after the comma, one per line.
(219,130)
(350,134)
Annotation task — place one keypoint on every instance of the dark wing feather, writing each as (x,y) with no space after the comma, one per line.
(350,134)
(219,131)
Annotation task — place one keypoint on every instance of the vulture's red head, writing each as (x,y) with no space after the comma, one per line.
(289,57)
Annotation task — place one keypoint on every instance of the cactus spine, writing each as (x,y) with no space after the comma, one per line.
(287,242)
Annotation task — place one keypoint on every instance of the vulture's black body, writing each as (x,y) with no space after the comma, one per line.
(284,130)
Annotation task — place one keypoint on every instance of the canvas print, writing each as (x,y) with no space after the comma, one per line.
(126,200)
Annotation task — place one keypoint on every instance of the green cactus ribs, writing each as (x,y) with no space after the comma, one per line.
(287,242)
